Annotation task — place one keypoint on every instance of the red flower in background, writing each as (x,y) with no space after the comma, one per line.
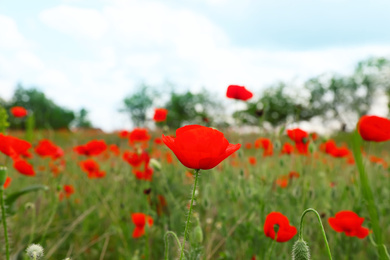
(252,160)
(46,148)
(114,149)
(92,148)
(140,220)
(139,135)
(301,140)
(285,231)
(7,182)
(266,144)
(92,168)
(18,111)
(69,190)
(135,159)
(123,134)
(146,174)
(238,92)
(160,114)
(24,167)
(13,147)
(350,223)
(287,149)
(200,147)
(374,128)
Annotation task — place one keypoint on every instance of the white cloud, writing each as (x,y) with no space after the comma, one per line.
(75,21)
(11,37)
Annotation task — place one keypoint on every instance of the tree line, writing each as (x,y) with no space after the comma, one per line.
(330,96)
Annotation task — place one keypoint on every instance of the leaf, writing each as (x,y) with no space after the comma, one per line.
(10,199)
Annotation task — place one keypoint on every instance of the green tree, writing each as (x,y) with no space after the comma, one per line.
(81,120)
(189,108)
(47,114)
(137,104)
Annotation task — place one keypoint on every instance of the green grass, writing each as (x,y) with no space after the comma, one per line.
(232,203)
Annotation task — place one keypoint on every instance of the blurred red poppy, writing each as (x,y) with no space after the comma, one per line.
(140,220)
(266,144)
(374,128)
(123,134)
(92,148)
(139,135)
(12,146)
(282,181)
(301,140)
(200,147)
(285,231)
(287,149)
(114,149)
(160,114)
(350,223)
(69,190)
(19,111)
(135,159)
(252,160)
(7,182)
(238,92)
(146,174)
(92,168)
(24,167)
(46,148)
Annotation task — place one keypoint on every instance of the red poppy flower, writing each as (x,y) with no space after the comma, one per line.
(200,147)
(69,190)
(285,231)
(301,140)
(282,181)
(135,159)
(24,167)
(139,135)
(374,128)
(12,146)
(92,168)
(252,160)
(46,148)
(7,182)
(140,220)
(248,146)
(160,114)
(18,111)
(158,140)
(238,92)
(124,134)
(350,223)
(266,144)
(293,174)
(94,147)
(114,149)
(287,149)
(146,174)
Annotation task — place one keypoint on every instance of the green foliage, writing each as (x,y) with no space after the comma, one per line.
(13,197)
(190,108)
(81,120)
(3,119)
(47,114)
(137,104)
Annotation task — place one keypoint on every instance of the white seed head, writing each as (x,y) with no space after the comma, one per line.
(34,251)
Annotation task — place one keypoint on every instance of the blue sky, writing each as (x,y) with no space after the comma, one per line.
(93,53)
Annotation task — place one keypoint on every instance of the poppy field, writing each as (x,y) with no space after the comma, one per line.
(195,192)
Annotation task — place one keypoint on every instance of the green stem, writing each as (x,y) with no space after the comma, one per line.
(167,242)
(272,247)
(369,197)
(3,219)
(189,214)
(51,218)
(322,229)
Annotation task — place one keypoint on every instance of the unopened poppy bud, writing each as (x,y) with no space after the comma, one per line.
(3,175)
(156,165)
(34,251)
(59,188)
(197,235)
(300,250)
(311,147)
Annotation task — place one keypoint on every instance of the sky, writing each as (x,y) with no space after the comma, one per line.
(93,53)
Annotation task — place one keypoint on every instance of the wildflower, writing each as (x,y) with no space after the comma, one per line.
(7,182)
(18,111)
(92,148)
(238,92)
(140,220)
(139,135)
(252,160)
(124,134)
(46,148)
(285,231)
(35,251)
(160,114)
(200,147)
(92,168)
(24,167)
(12,146)
(301,140)
(287,149)
(350,223)
(135,159)
(374,128)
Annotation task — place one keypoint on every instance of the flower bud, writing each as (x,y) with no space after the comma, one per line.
(156,165)
(300,250)
(197,235)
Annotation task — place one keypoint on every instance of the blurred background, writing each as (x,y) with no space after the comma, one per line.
(107,64)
